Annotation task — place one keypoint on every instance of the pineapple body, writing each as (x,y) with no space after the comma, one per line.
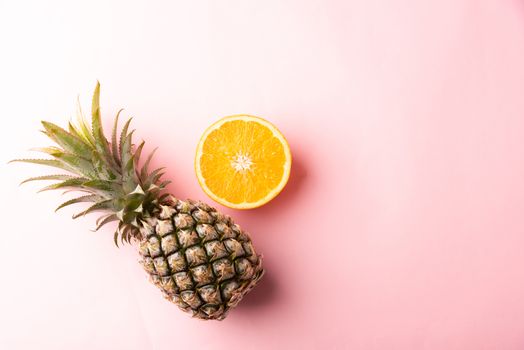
(199,258)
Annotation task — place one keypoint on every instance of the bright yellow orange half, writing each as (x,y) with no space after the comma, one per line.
(242,161)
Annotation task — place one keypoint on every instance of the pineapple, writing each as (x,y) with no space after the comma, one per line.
(198,257)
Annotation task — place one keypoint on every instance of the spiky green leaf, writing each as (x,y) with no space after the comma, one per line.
(103,220)
(59,177)
(138,153)
(83,128)
(102,185)
(155,176)
(104,170)
(118,232)
(162,197)
(72,183)
(130,178)
(69,142)
(127,153)
(47,150)
(125,234)
(96,120)
(103,205)
(79,165)
(123,135)
(49,162)
(145,167)
(164,184)
(114,144)
(81,199)
(74,131)
(73,163)
(115,237)
(101,143)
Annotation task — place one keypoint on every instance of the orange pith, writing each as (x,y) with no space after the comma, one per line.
(242,161)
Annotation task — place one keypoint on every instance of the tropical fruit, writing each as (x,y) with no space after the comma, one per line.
(198,257)
(242,161)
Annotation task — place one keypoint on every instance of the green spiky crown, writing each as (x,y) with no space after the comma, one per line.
(107,172)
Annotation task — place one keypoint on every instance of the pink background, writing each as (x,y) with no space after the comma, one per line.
(402,226)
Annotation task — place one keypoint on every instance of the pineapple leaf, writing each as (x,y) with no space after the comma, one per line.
(118,232)
(127,153)
(66,140)
(164,184)
(99,206)
(101,143)
(144,170)
(81,199)
(83,130)
(163,197)
(80,165)
(74,131)
(47,177)
(100,218)
(80,189)
(130,177)
(136,160)
(155,175)
(114,144)
(73,182)
(101,185)
(138,153)
(115,237)
(49,162)
(105,220)
(96,122)
(102,169)
(133,201)
(125,235)
(75,163)
(47,150)
(123,136)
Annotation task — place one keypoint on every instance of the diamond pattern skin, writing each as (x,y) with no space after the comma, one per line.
(202,261)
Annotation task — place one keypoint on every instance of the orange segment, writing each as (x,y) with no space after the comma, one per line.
(242,161)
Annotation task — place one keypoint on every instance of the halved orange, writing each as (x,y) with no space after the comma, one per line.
(242,161)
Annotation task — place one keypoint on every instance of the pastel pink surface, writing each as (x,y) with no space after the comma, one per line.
(402,225)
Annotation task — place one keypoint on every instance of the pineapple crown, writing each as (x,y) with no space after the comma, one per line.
(107,172)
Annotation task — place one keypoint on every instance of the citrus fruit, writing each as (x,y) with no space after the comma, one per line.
(242,161)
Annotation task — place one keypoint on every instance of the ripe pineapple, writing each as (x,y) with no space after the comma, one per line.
(199,258)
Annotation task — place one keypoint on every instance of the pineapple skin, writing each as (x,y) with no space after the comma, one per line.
(198,257)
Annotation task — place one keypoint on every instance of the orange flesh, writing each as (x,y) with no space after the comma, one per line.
(243,162)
